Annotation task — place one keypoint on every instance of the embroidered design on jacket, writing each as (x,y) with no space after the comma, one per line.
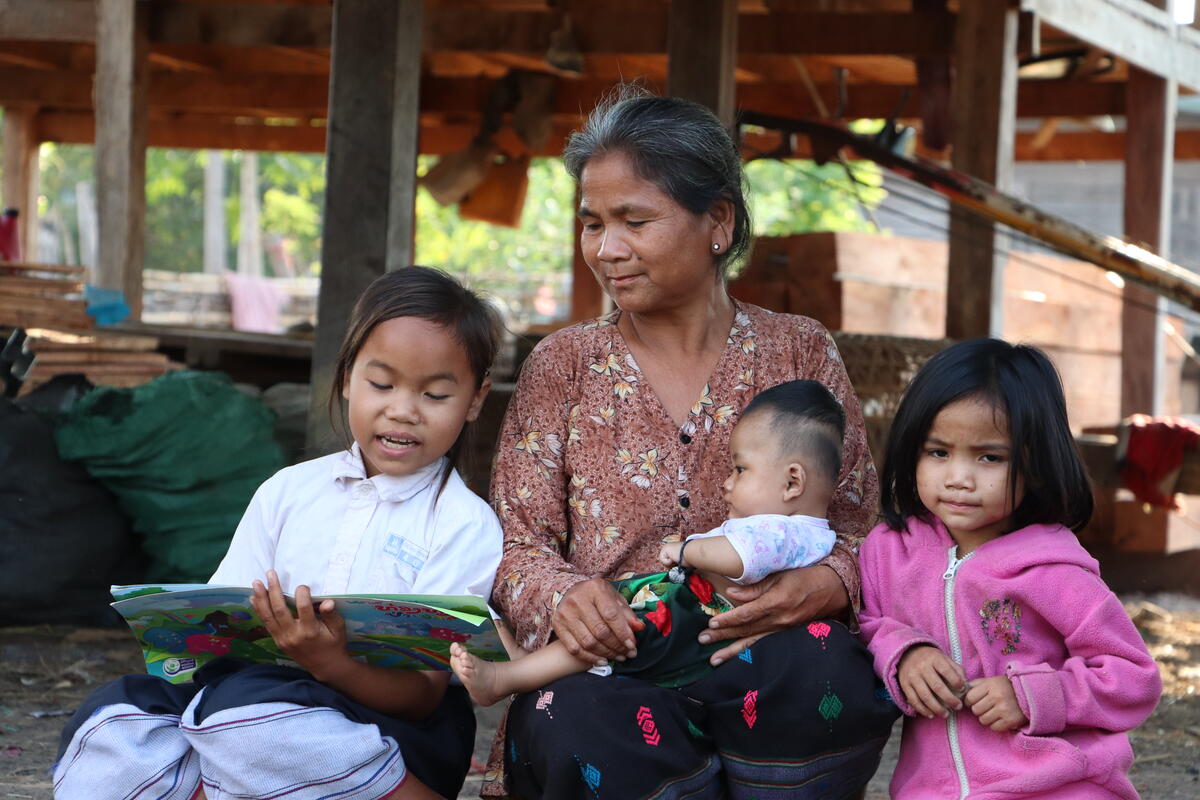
(1001,621)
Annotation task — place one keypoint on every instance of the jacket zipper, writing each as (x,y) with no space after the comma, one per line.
(955,653)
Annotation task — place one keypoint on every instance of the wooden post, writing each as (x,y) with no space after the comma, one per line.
(21,175)
(121,127)
(250,246)
(214,212)
(370,168)
(702,53)
(985,91)
(1149,155)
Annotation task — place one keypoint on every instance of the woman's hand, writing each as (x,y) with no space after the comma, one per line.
(595,623)
(316,643)
(931,681)
(995,703)
(779,601)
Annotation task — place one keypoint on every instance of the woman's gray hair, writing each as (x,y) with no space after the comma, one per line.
(679,146)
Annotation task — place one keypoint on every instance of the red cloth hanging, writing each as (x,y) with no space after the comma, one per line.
(10,242)
(1153,453)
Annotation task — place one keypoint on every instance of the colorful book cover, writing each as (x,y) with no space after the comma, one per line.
(181,627)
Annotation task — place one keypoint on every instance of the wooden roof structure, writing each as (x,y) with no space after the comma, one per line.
(254,74)
(374,82)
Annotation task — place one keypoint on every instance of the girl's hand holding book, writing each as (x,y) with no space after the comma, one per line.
(315,637)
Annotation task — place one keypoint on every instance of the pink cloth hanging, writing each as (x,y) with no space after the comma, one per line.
(255,303)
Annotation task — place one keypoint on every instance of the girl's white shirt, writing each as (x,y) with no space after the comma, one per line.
(325,524)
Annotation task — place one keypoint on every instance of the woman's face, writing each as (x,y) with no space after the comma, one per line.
(648,252)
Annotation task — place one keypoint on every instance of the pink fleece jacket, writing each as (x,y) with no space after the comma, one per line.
(1029,605)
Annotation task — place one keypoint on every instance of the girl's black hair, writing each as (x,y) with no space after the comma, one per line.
(1018,381)
(431,295)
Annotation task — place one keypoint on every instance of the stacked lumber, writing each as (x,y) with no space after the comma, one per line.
(43,295)
(107,359)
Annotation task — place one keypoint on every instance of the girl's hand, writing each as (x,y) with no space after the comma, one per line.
(316,643)
(779,601)
(931,681)
(595,623)
(668,554)
(995,703)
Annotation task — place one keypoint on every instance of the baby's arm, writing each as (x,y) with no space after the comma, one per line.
(709,554)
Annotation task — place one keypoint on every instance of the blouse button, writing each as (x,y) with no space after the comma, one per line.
(683,437)
(684,501)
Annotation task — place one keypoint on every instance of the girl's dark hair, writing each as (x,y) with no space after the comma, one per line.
(1018,381)
(431,295)
(679,146)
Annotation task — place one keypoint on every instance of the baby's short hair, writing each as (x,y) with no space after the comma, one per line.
(808,419)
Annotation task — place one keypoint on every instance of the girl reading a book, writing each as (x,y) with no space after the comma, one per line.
(388,515)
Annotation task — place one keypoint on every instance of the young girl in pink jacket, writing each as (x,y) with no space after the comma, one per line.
(1016,667)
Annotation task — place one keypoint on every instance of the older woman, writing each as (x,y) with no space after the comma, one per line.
(617,440)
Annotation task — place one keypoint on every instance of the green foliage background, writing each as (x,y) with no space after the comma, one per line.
(786,197)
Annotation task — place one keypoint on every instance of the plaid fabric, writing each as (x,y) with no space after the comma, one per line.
(254,731)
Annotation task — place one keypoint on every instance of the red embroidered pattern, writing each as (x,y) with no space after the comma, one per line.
(750,708)
(819,630)
(645,720)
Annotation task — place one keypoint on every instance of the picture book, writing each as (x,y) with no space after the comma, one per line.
(181,627)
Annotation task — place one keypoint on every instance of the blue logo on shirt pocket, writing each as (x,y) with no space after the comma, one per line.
(405,551)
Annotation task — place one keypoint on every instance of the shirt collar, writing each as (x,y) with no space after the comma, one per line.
(348,470)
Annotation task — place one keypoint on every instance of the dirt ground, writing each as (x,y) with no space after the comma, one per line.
(46,671)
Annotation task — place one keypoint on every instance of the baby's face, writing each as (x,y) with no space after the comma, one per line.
(759,476)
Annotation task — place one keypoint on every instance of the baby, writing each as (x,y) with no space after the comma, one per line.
(786,452)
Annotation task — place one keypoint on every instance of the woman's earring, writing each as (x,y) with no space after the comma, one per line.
(716,247)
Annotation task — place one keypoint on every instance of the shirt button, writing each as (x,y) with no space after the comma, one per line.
(683,437)
(684,501)
(363,488)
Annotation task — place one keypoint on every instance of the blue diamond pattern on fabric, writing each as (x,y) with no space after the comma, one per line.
(745,656)
(591,776)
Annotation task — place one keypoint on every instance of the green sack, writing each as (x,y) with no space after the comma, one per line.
(184,454)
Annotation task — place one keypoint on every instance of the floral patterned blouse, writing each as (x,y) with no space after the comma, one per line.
(592,474)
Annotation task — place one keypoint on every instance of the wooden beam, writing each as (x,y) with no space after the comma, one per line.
(196,132)
(1147,215)
(241,24)
(1134,30)
(121,71)
(1097,146)
(1068,146)
(1128,260)
(627,26)
(48,20)
(702,54)
(21,175)
(984,96)
(370,173)
(294,95)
